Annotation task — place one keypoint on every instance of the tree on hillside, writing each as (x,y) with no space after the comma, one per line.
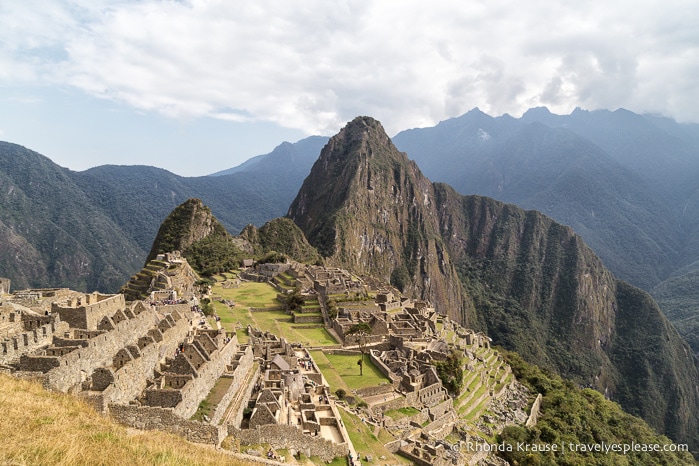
(294,302)
(361,329)
(451,372)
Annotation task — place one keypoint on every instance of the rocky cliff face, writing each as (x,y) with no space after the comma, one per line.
(531,283)
(366,207)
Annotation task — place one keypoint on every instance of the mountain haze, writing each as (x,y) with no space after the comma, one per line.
(563,171)
(532,284)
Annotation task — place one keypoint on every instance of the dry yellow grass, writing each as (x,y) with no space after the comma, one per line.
(44,428)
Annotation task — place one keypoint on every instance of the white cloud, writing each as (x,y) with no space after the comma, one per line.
(314,65)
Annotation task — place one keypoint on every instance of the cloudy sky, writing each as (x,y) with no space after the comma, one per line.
(197,86)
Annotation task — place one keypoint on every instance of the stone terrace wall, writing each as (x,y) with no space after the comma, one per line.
(207,375)
(154,418)
(436,427)
(534,413)
(383,368)
(100,352)
(395,403)
(238,418)
(183,309)
(238,376)
(376,390)
(5,285)
(287,437)
(301,318)
(130,379)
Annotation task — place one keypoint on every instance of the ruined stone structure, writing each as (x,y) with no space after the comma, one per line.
(149,364)
(88,311)
(290,402)
(103,337)
(330,281)
(388,317)
(426,451)
(187,378)
(169,272)
(143,362)
(23,331)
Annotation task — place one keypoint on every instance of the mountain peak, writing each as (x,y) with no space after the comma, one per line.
(368,208)
(190,222)
(361,134)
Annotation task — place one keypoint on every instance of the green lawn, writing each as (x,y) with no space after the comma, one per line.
(343,371)
(262,295)
(401,413)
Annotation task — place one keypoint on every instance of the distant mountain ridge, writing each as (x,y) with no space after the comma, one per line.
(581,170)
(51,233)
(627,183)
(91,230)
(297,158)
(641,234)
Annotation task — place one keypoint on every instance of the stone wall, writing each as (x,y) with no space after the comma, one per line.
(345,352)
(165,419)
(301,318)
(89,310)
(171,308)
(130,380)
(5,285)
(207,375)
(239,376)
(376,390)
(287,437)
(436,427)
(73,368)
(534,413)
(26,342)
(237,420)
(396,403)
(441,409)
(383,368)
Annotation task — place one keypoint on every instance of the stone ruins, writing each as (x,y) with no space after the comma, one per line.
(148,358)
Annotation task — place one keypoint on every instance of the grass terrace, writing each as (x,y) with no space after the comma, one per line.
(366,443)
(210,403)
(258,296)
(401,413)
(342,371)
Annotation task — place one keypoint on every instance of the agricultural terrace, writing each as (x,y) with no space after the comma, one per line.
(267,315)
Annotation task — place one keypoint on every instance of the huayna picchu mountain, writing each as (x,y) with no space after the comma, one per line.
(532,284)
(366,207)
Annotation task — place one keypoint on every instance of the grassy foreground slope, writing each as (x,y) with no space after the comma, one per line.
(44,428)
